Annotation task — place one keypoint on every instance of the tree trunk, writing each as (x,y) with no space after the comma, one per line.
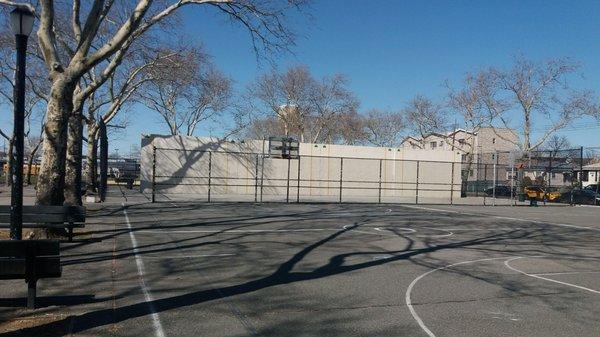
(31,157)
(72,191)
(51,179)
(92,159)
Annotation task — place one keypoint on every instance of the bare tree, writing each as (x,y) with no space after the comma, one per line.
(305,106)
(35,98)
(346,128)
(329,99)
(539,93)
(105,104)
(263,19)
(186,90)
(477,105)
(286,96)
(556,144)
(423,116)
(384,128)
(263,128)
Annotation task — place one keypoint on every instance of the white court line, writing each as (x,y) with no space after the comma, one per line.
(410,230)
(224,231)
(567,273)
(400,228)
(507,264)
(412,284)
(431,209)
(158,329)
(345,227)
(503,217)
(187,256)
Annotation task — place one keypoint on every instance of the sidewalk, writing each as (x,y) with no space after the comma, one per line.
(88,282)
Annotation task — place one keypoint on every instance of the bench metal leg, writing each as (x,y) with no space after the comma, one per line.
(70,234)
(31,293)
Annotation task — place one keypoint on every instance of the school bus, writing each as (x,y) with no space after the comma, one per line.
(35,169)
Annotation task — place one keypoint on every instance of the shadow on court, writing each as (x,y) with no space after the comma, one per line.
(352,240)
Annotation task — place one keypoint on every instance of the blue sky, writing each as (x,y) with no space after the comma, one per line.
(392,50)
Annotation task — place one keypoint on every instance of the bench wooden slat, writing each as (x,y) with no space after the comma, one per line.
(19,248)
(46,225)
(44,209)
(30,260)
(45,267)
(38,218)
(46,214)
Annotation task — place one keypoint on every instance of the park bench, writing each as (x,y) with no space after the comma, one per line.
(29,260)
(41,216)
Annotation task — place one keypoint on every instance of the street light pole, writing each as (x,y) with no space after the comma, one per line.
(22,24)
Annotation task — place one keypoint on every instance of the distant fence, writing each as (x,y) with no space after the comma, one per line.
(204,172)
(211,175)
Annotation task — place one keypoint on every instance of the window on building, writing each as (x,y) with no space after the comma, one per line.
(433,145)
(462,141)
(585,175)
(493,140)
(441,143)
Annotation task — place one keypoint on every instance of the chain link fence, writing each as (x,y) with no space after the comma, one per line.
(240,176)
(499,178)
(562,176)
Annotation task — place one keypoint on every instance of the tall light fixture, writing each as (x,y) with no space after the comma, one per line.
(21,20)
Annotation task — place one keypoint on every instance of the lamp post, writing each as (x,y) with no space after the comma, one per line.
(21,21)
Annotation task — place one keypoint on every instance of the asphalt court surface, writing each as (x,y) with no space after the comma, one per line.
(244,269)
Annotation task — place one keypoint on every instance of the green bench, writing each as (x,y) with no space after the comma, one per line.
(41,216)
(29,260)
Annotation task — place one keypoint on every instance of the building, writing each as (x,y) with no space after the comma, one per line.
(213,169)
(484,140)
(481,151)
(590,174)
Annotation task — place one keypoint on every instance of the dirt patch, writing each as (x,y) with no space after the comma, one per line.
(5,234)
(45,325)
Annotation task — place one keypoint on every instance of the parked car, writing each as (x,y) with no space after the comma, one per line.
(552,194)
(542,193)
(124,170)
(593,187)
(584,196)
(501,191)
(534,192)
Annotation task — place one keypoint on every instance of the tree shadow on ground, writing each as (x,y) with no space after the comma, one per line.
(284,274)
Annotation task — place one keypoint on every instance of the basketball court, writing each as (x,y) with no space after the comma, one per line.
(245,269)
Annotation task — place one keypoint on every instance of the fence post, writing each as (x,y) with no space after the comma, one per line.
(287,193)
(380,166)
(153,173)
(485,183)
(341,175)
(256,179)
(103,161)
(550,172)
(478,176)
(580,167)
(495,175)
(298,184)
(417,185)
(262,176)
(452,185)
(209,173)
